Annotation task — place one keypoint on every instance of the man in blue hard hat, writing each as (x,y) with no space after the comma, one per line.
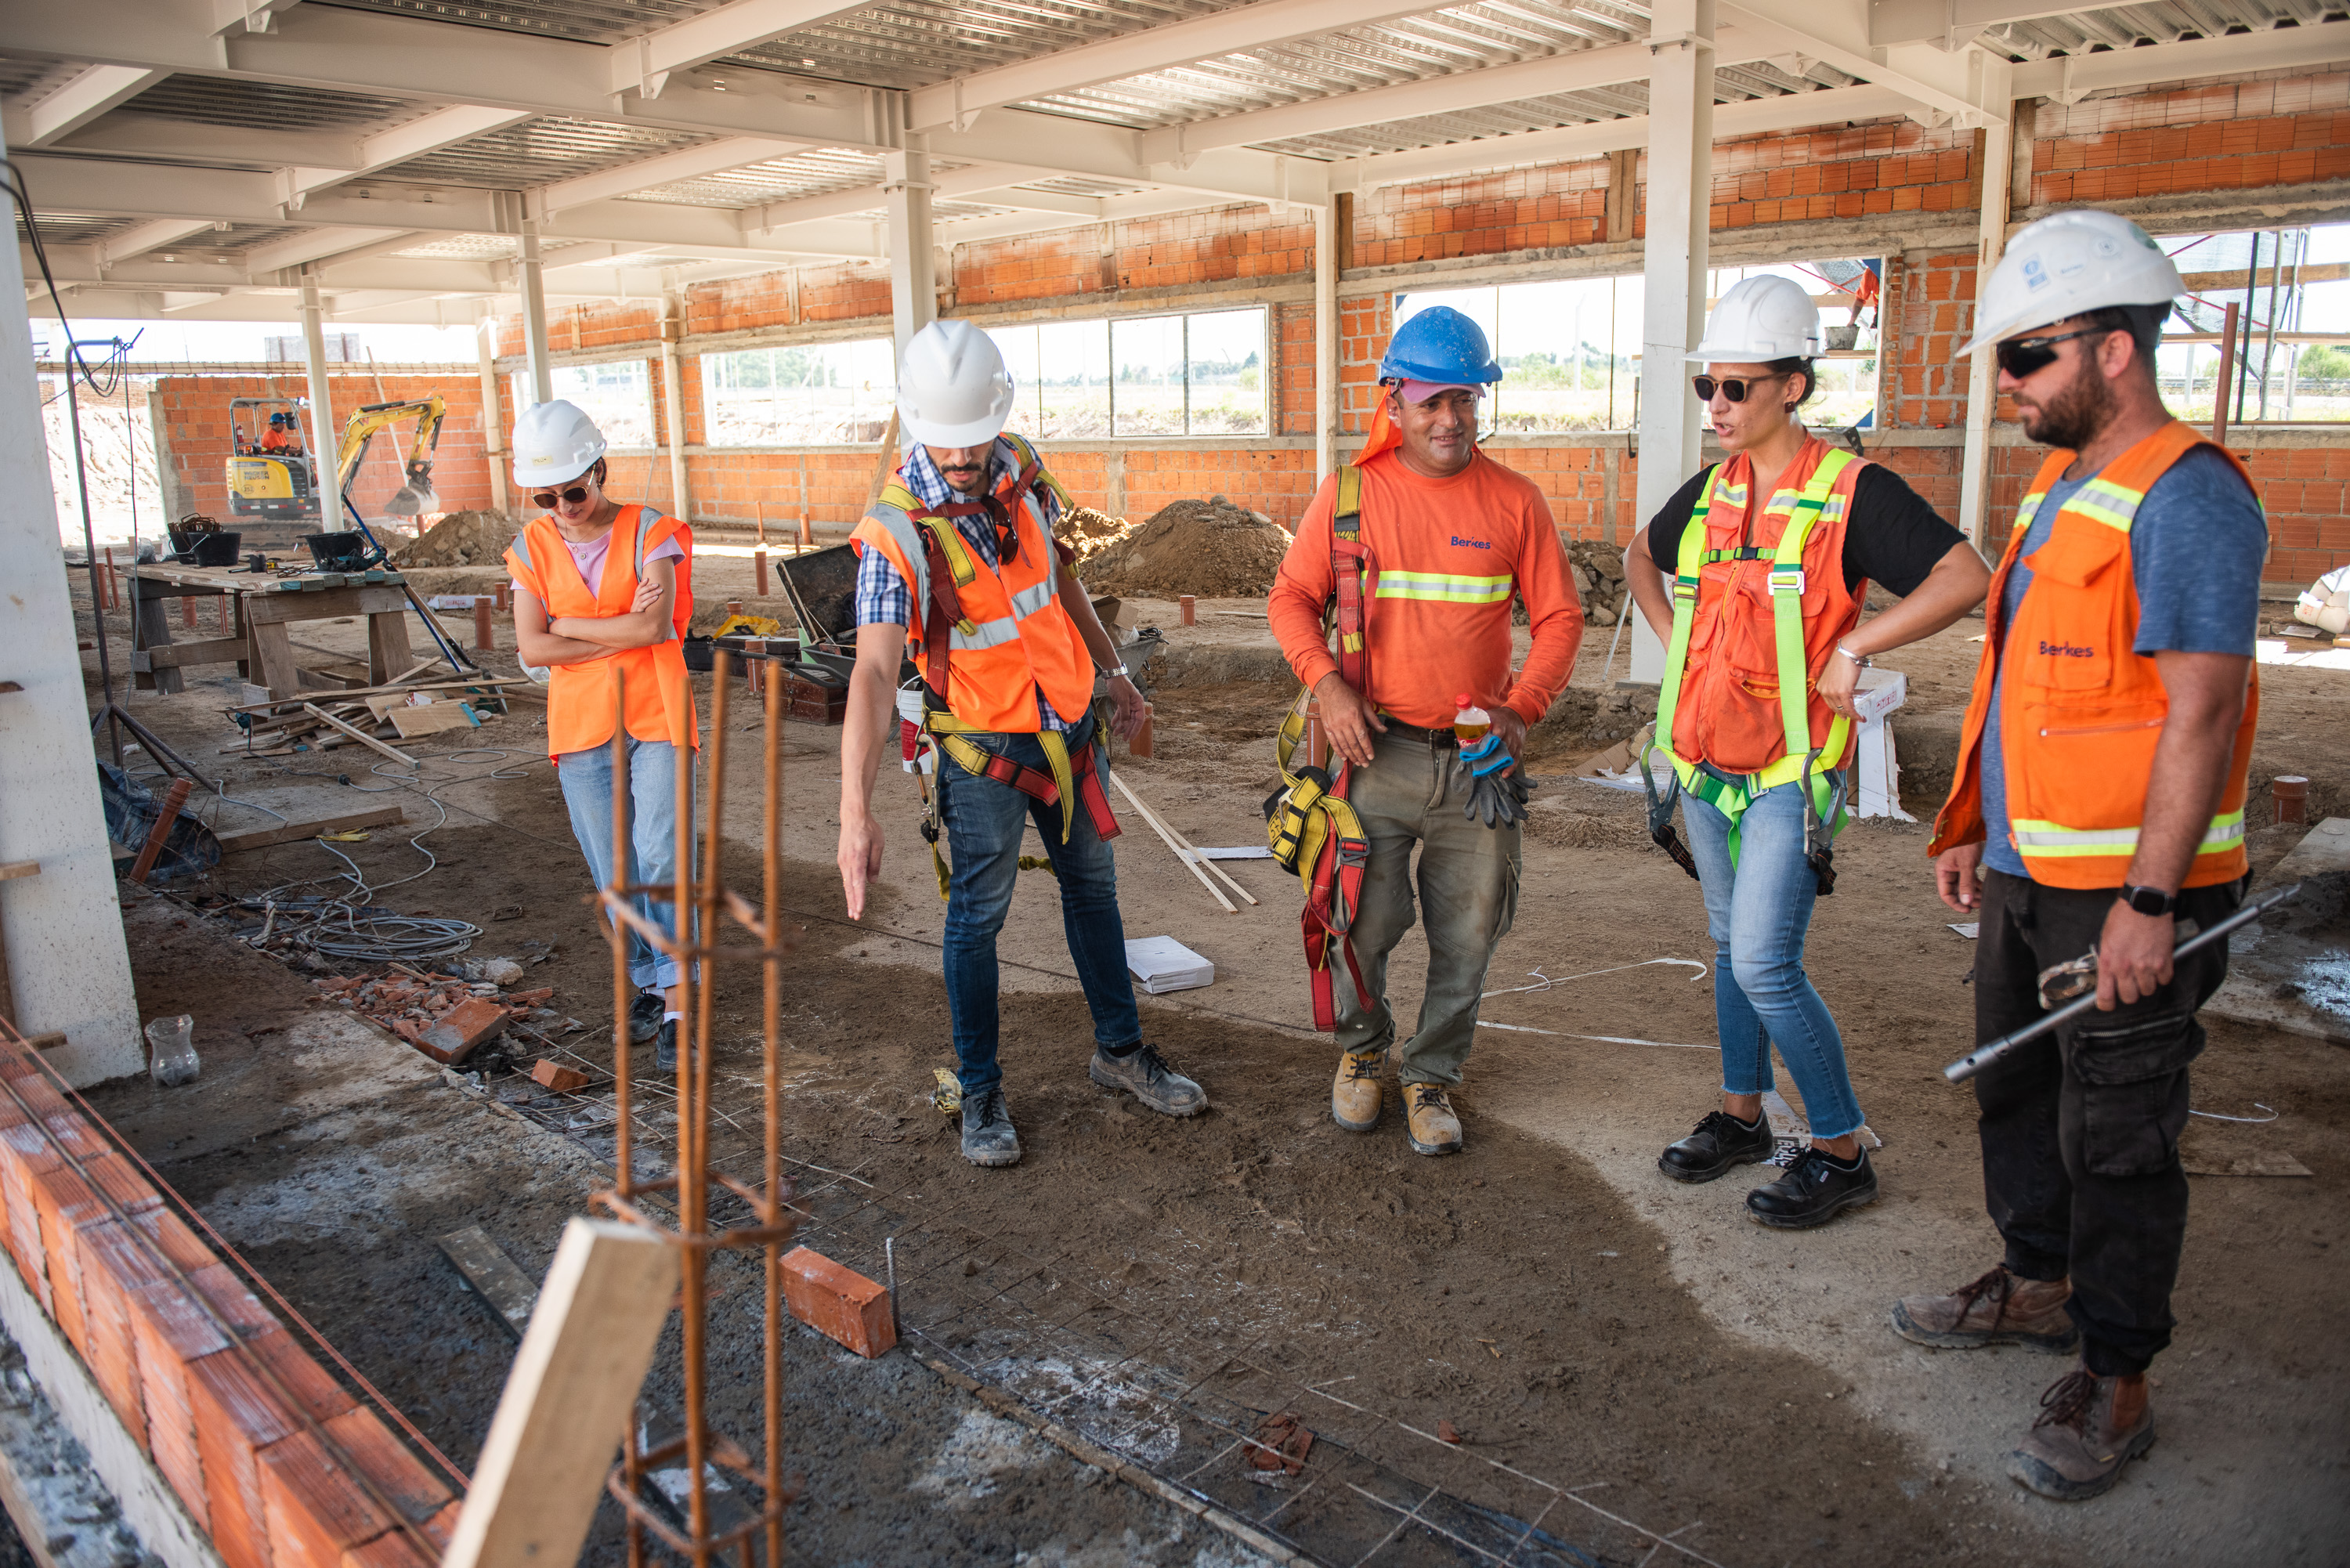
(1420,545)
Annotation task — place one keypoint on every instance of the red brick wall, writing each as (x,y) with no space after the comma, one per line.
(196,422)
(2210,136)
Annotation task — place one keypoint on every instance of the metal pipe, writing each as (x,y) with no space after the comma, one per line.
(493,423)
(1982,1057)
(2268,349)
(533,315)
(1326,340)
(2244,367)
(323,433)
(672,331)
(1982,372)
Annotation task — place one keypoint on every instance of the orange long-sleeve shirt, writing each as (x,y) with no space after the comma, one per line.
(1448,555)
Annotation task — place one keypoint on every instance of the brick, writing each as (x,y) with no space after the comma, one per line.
(561,1079)
(458,1032)
(238,1414)
(838,1302)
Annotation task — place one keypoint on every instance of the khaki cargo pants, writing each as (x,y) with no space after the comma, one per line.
(1412,793)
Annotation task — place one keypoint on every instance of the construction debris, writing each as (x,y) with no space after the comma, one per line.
(838,1303)
(1211,549)
(460,539)
(443,1016)
(1597,570)
(1088,532)
(554,1075)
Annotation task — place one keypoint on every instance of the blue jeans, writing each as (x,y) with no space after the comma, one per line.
(586,780)
(1757,914)
(985,821)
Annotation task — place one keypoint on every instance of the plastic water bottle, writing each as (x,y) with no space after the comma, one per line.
(1471,723)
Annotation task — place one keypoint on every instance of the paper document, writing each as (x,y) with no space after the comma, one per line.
(1164,964)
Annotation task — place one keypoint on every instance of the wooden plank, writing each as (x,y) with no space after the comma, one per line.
(273,650)
(507,1289)
(11,870)
(291,832)
(387,647)
(568,1400)
(325,605)
(432,719)
(361,736)
(445,684)
(179,655)
(886,464)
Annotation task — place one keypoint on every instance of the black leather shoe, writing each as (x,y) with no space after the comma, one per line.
(665,1046)
(1812,1192)
(1721,1141)
(987,1135)
(645,1013)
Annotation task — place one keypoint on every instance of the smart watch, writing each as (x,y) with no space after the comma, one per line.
(2149,901)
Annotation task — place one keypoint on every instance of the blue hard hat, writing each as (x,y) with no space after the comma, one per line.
(1440,345)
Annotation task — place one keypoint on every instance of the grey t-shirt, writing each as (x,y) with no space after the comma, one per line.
(2196,550)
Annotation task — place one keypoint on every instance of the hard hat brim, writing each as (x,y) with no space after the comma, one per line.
(541,480)
(974,432)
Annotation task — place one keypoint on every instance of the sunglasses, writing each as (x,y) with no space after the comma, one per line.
(545,500)
(2021,357)
(1733,388)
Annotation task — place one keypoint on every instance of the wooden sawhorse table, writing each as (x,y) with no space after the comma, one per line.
(264,607)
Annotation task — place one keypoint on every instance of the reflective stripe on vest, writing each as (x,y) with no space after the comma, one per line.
(2053,838)
(1786,586)
(1444,587)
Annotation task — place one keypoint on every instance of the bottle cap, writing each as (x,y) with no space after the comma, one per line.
(1464,701)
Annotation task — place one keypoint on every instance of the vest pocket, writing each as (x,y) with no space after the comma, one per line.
(2134,1093)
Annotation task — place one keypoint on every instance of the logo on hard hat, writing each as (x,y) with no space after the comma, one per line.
(2035,275)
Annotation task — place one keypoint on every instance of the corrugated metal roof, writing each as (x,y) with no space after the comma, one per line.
(19,77)
(2164,22)
(583,21)
(466,248)
(815,174)
(267,106)
(915,43)
(540,151)
(75,228)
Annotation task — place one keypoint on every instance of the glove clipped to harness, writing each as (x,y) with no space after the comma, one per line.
(1497,788)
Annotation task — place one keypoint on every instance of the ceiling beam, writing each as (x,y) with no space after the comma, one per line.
(130,133)
(2070,79)
(1462,90)
(666,168)
(956,184)
(317,244)
(75,103)
(1789,111)
(1948,24)
(1051,143)
(247,15)
(1817,29)
(388,148)
(1240,28)
(643,66)
(161,234)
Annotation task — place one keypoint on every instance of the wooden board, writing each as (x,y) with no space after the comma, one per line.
(292,832)
(430,719)
(324,605)
(568,1400)
(179,655)
(489,1270)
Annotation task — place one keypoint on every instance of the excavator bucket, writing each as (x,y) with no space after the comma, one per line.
(417,496)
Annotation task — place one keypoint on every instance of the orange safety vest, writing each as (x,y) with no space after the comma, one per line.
(1728,712)
(579,699)
(1006,635)
(2080,710)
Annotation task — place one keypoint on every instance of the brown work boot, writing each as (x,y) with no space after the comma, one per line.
(2089,1427)
(1355,1098)
(1430,1125)
(2001,1308)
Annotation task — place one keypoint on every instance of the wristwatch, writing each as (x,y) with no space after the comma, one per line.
(1117,671)
(2149,901)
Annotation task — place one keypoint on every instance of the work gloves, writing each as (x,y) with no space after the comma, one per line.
(1497,789)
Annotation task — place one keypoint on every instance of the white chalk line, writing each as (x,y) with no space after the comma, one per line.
(1605,1039)
(1543,982)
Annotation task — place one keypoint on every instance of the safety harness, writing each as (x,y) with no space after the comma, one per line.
(951,567)
(1312,830)
(1823,796)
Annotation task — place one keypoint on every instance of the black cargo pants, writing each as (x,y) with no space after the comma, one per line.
(2080,1131)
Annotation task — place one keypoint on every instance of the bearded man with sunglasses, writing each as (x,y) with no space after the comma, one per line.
(1770,555)
(602,595)
(2099,801)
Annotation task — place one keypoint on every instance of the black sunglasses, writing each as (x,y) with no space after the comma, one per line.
(2021,357)
(1734,387)
(545,500)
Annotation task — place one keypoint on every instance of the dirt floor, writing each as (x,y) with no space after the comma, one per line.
(1622,1357)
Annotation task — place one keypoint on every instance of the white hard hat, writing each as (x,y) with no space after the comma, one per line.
(555,443)
(2068,263)
(953,388)
(1761,319)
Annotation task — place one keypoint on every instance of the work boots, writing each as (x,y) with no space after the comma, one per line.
(1151,1079)
(1430,1125)
(1815,1190)
(1716,1144)
(1355,1098)
(2089,1427)
(988,1138)
(2001,1308)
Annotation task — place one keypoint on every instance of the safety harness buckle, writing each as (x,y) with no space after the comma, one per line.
(1787,580)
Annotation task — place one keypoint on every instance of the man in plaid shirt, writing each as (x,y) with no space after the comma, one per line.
(1010,708)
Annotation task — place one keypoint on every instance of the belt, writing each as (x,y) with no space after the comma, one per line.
(1434,740)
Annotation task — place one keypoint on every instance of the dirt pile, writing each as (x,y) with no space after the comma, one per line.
(1212,548)
(1088,532)
(460,539)
(1598,572)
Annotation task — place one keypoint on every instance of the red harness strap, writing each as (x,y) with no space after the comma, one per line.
(1329,914)
(1039,786)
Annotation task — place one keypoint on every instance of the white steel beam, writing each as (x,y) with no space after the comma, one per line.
(668,168)
(1326,341)
(324,433)
(643,65)
(1112,208)
(2070,79)
(913,268)
(1242,27)
(534,316)
(1982,374)
(1673,264)
(317,244)
(1451,94)
(158,235)
(1816,29)
(127,130)
(493,426)
(1049,143)
(1948,24)
(75,103)
(247,15)
(387,148)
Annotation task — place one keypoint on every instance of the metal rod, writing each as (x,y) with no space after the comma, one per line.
(693,1152)
(2252,280)
(624,868)
(1982,1057)
(2226,377)
(2268,350)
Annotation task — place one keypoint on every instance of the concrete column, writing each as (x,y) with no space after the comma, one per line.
(494,422)
(533,315)
(1326,341)
(673,402)
(325,429)
(1673,265)
(913,262)
(1993,179)
(69,968)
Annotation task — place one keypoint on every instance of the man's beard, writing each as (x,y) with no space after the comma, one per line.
(2073,418)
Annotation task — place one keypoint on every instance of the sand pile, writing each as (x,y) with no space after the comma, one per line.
(1088,532)
(1212,548)
(460,539)
(1596,570)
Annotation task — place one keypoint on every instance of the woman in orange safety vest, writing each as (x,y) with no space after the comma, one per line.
(602,596)
(1770,555)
